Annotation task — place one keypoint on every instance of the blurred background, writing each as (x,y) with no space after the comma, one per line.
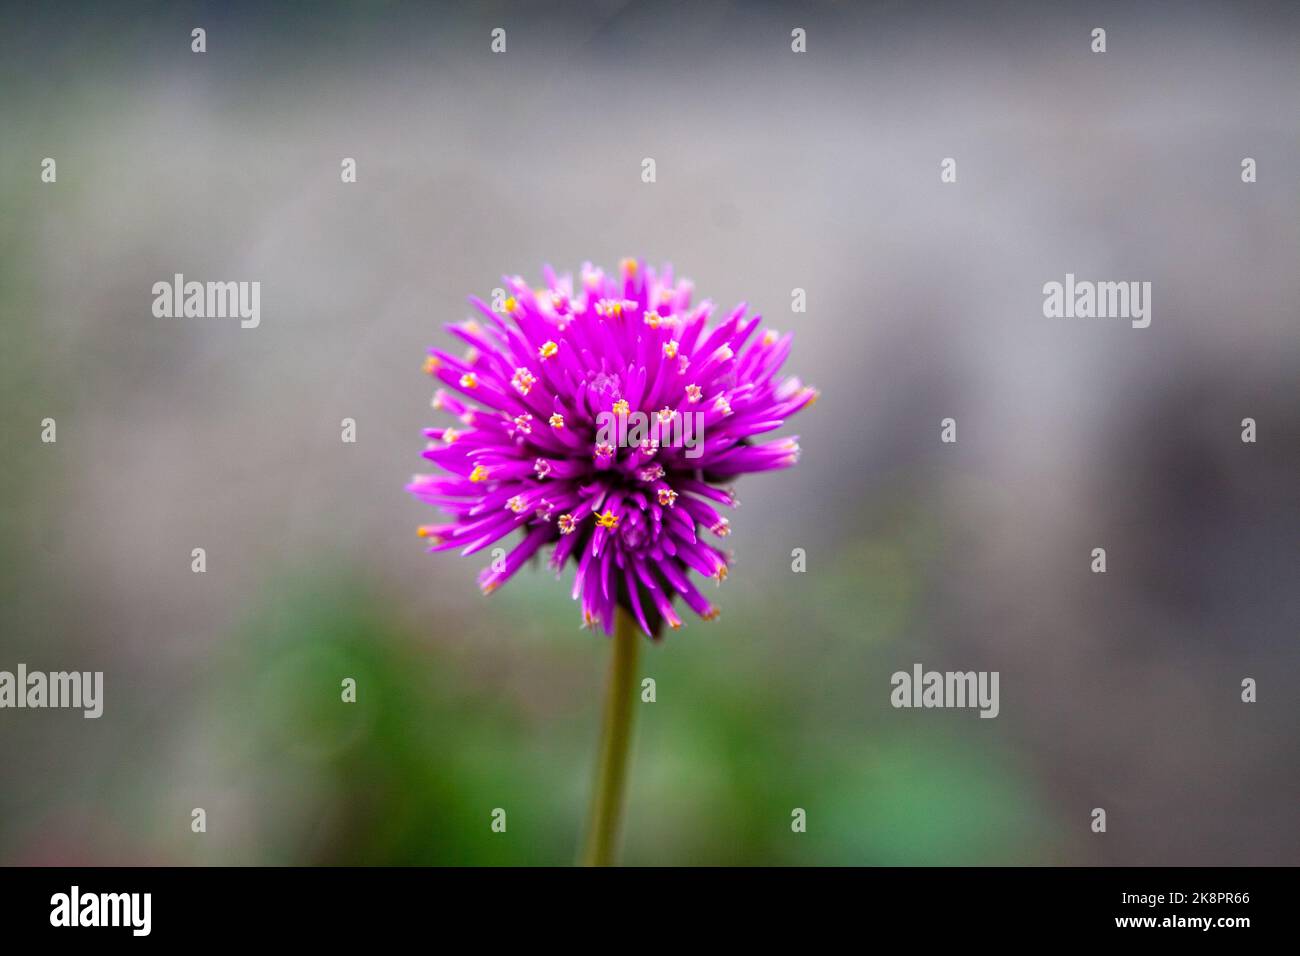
(774,171)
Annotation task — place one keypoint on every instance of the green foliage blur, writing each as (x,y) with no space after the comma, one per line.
(747,725)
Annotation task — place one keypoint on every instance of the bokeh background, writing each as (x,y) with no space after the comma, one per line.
(775,171)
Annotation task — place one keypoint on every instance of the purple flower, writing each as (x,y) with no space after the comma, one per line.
(603,420)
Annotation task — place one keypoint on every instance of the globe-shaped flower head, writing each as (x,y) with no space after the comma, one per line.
(606,419)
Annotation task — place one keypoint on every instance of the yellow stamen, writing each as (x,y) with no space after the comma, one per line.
(431,364)
(547,350)
(607,520)
(511,304)
(621,407)
(523,381)
(670,349)
(478,474)
(557,420)
(469,380)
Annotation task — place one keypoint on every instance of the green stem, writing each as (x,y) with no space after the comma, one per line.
(615,741)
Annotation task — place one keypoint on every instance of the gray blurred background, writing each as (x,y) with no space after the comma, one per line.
(775,170)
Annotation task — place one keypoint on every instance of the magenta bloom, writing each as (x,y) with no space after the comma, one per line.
(604,420)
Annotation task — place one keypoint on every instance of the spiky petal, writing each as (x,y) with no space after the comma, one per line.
(531,457)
